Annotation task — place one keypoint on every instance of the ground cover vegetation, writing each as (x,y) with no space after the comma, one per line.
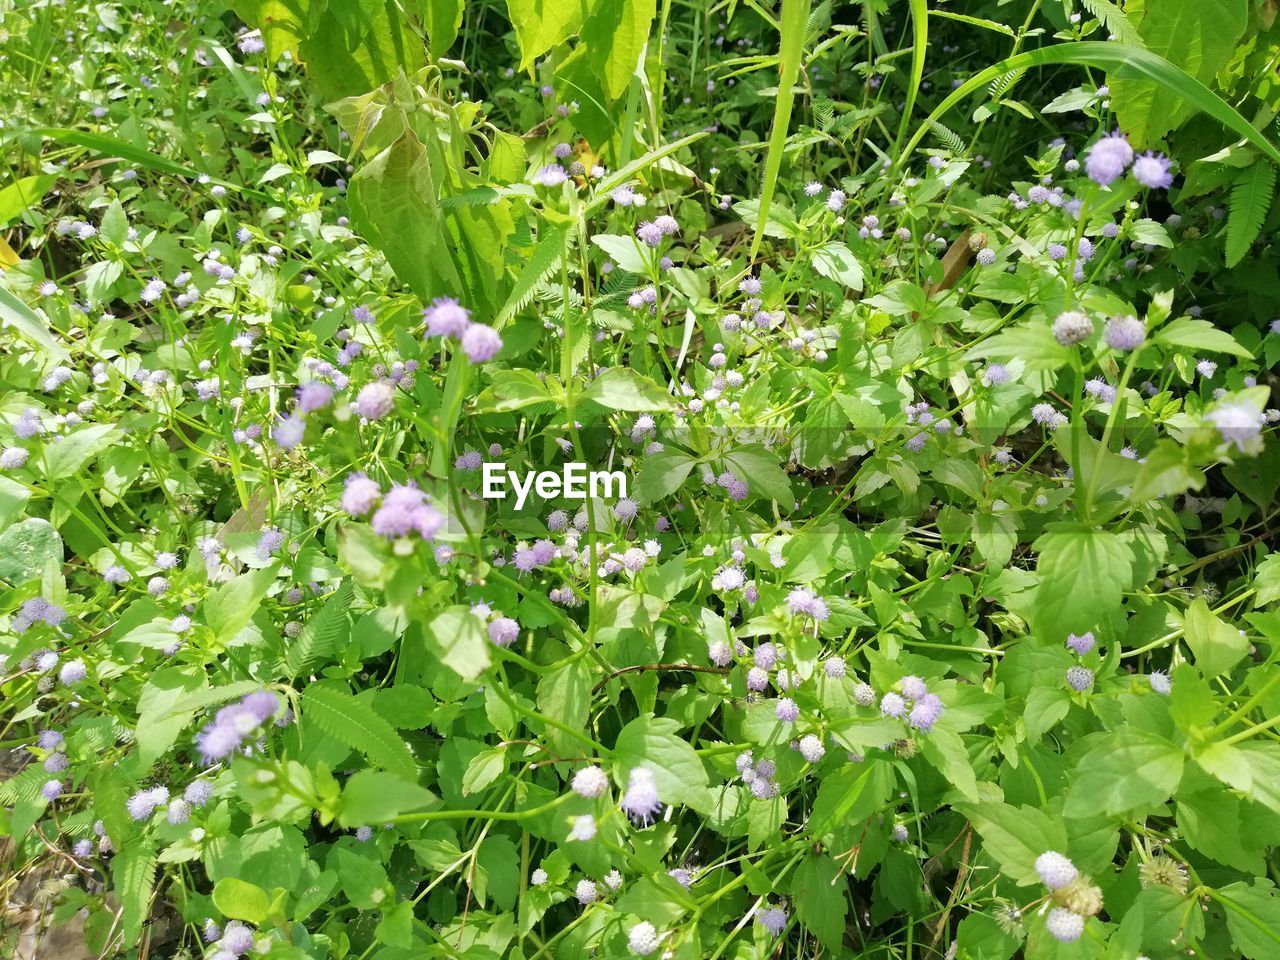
(936,343)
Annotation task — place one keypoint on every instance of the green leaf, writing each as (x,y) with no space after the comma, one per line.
(395,929)
(1252,767)
(652,742)
(373,797)
(1266,581)
(133,876)
(115,225)
(626,251)
(621,388)
(68,456)
(565,693)
(1197,36)
(541,25)
(1253,917)
(1127,770)
(458,638)
(836,262)
(350,48)
(441,20)
(229,608)
(848,796)
(945,750)
(241,900)
(513,390)
(322,633)
(1115,20)
(163,711)
(792,29)
(1251,197)
(1082,574)
(1218,646)
(759,467)
(661,474)
(1199,335)
(25,549)
(394,204)
(30,324)
(355,724)
(818,890)
(1016,836)
(23,194)
(483,770)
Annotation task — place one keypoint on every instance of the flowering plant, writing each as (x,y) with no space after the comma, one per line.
(933,613)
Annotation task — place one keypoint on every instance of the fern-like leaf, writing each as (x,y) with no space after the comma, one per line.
(1115,20)
(1250,203)
(321,633)
(824,112)
(950,139)
(338,714)
(133,874)
(546,257)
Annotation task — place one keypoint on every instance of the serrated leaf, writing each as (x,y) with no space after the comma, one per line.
(355,724)
(322,633)
(133,873)
(1251,196)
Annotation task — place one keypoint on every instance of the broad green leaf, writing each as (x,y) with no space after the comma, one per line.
(661,474)
(1128,770)
(394,204)
(621,388)
(29,324)
(1253,917)
(241,900)
(1199,335)
(836,262)
(541,25)
(1016,836)
(24,193)
(652,742)
(626,251)
(1082,573)
(373,797)
(458,638)
(759,467)
(818,890)
(70,454)
(565,693)
(1217,646)
(483,770)
(163,711)
(231,606)
(25,549)
(1197,36)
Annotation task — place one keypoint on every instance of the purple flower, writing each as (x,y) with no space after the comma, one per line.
(269,541)
(51,790)
(1063,925)
(1108,158)
(237,938)
(375,400)
(198,792)
(313,396)
(480,343)
(1236,423)
(1072,327)
(1079,679)
(925,713)
(590,782)
(1125,333)
(649,233)
(399,514)
(552,175)
(360,494)
(1055,870)
(1152,171)
(913,688)
(72,672)
(834,667)
(13,458)
(289,431)
(787,711)
(1081,644)
(773,919)
(640,801)
(252,43)
(503,631)
(892,705)
(446,318)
